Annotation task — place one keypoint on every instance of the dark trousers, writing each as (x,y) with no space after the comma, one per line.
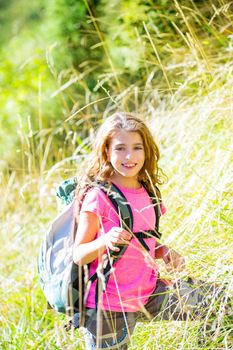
(180,301)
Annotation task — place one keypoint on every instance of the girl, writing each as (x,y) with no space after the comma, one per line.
(125,155)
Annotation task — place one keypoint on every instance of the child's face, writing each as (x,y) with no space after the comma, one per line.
(126,154)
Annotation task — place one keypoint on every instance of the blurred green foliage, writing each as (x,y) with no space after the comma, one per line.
(80,60)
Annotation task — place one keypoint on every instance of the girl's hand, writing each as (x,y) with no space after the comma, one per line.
(174,261)
(117,236)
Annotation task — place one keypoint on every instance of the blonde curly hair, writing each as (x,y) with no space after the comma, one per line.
(100,169)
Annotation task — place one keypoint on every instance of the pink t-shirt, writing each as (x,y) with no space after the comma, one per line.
(134,276)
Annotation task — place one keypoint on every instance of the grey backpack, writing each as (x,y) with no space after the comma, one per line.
(63,282)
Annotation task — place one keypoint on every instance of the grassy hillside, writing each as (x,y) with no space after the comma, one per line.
(195,136)
(180,81)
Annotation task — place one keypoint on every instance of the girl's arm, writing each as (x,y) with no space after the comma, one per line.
(172,259)
(87,247)
(160,251)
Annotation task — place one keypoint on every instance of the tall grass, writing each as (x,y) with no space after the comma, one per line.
(194,133)
(192,122)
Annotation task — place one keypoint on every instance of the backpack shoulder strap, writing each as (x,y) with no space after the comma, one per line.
(120,204)
(124,210)
(156,200)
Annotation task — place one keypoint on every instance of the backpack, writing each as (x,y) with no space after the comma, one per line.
(64,283)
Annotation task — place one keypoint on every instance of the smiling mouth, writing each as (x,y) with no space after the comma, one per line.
(131,165)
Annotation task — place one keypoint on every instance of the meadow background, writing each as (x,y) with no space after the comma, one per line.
(65,65)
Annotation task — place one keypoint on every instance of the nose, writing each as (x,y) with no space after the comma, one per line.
(128,155)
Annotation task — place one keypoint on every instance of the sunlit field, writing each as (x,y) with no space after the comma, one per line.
(191,120)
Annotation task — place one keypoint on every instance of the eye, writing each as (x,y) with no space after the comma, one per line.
(138,148)
(120,148)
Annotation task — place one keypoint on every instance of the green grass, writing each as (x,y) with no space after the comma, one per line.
(186,99)
(195,135)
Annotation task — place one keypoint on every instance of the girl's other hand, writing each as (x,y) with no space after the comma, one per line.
(117,236)
(174,261)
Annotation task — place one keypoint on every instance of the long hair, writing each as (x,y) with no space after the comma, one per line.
(101,169)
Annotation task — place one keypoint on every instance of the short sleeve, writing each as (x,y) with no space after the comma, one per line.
(94,202)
